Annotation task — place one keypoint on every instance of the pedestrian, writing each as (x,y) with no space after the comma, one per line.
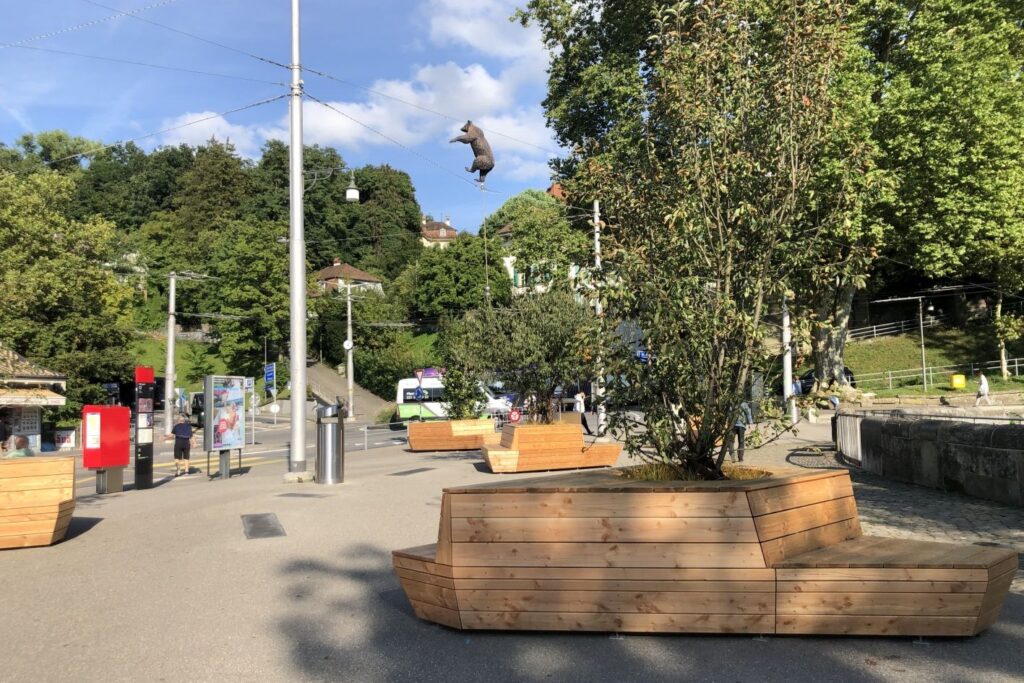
(744,419)
(982,390)
(580,400)
(5,434)
(182,432)
(21,448)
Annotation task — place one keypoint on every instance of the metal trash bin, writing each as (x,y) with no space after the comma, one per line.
(330,445)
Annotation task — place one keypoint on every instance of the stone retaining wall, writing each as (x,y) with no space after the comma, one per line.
(982,460)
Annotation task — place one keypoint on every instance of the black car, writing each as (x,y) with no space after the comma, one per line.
(807,380)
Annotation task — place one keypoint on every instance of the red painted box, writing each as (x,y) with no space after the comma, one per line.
(106,440)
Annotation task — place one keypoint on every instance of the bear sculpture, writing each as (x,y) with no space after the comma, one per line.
(483,158)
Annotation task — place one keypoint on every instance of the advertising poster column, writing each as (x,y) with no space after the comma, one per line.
(224,430)
(145,391)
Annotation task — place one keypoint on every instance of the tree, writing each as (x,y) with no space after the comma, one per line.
(460,350)
(59,304)
(541,342)
(199,363)
(707,172)
(543,243)
(452,280)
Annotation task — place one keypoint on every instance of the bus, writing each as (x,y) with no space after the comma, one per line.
(422,399)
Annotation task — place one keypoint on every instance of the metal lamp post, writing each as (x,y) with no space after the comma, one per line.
(920,324)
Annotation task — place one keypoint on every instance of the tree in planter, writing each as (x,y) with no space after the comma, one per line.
(708,178)
(458,345)
(538,344)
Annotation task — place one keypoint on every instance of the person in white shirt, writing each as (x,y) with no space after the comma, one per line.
(982,390)
(580,401)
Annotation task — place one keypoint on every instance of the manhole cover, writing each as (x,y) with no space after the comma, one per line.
(406,473)
(263,525)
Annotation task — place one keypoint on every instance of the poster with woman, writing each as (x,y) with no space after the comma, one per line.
(224,427)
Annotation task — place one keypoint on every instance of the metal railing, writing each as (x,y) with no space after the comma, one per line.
(898,327)
(894,379)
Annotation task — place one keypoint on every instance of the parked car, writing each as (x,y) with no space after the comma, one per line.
(197,409)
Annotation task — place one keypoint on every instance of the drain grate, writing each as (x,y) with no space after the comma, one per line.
(303,495)
(263,525)
(406,473)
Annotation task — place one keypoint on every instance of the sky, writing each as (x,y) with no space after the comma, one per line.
(393,60)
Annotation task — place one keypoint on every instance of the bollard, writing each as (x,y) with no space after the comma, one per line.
(225,465)
(330,445)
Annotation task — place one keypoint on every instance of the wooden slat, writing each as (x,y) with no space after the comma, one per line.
(608,554)
(707,586)
(874,625)
(600,505)
(995,595)
(879,574)
(55,481)
(27,540)
(443,551)
(421,566)
(882,586)
(36,527)
(439,615)
(430,594)
(423,577)
(615,602)
(33,467)
(35,498)
(604,529)
(881,604)
(620,623)
(788,547)
(779,498)
(791,521)
(1000,568)
(616,573)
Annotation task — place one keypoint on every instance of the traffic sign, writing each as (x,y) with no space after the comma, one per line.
(515,415)
(250,384)
(418,395)
(269,372)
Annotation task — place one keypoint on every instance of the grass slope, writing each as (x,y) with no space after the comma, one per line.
(149,351)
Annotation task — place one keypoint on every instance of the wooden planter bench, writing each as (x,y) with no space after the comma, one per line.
(37,499)
(594,552)
(536,447)
(452,435)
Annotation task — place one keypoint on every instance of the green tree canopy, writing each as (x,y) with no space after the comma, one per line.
(451,280)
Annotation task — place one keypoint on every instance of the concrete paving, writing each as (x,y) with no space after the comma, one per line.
(163,585)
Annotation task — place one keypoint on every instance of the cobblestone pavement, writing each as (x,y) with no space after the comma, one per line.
(899,510)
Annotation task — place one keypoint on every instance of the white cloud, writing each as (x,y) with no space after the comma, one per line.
(208,124)
(518,168)
(484,26)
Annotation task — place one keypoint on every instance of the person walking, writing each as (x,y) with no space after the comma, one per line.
(21,448)
(744,419)
(182,432)
(982,390)
(5,434)
(580,401)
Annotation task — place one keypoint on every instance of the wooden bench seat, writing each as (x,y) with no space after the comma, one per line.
(37,500)
(893,586)
(535,448)
(592,551)
(452,435)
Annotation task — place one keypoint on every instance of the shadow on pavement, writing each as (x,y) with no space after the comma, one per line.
(79,526)
(350,620)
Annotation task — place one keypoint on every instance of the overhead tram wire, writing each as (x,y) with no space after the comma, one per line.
(117,60)
(193,122)
(89,24)
(186,33)
(392,140)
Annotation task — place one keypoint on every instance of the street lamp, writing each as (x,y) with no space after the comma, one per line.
(352,192)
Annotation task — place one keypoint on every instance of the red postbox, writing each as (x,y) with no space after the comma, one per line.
(106,439)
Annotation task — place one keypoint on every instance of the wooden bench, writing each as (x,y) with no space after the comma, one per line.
(594,552)
(37,499)
(452,435)
(534,448)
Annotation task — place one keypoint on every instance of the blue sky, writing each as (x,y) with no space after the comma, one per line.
(458,57)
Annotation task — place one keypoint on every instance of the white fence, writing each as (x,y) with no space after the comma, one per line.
(894,379)
(898,327)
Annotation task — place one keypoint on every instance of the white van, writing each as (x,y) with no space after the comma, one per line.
(421,399)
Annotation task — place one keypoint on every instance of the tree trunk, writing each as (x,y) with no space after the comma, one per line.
(1004,366)
(829,337)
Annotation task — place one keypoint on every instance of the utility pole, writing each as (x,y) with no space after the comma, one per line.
(602,415)
(297,261)
(349,344)
(169,373)
(924,363)
(787,364)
